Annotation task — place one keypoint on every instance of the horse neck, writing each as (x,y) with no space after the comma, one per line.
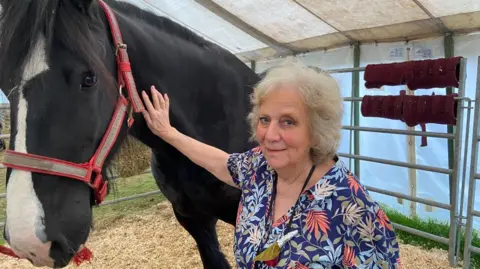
(186,70)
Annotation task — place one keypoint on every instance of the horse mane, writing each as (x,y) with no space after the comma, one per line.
(23,22)
(161,23)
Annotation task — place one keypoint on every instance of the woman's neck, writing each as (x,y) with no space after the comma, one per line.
(294,173)
(297,173)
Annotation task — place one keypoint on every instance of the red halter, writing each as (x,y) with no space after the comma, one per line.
(84,171)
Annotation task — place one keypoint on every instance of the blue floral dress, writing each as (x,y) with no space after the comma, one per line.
(339,224)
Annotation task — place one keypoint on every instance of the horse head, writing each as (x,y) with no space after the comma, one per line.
(59,72)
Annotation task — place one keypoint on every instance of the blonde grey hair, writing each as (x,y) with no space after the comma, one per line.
(322,97)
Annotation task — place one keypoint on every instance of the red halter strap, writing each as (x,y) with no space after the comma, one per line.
(84,171)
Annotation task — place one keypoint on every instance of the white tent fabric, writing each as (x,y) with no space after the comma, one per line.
(305,25)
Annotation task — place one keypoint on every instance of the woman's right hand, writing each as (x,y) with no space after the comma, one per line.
(212,159)
(156,113)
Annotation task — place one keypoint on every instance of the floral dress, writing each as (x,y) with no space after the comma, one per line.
(339,225)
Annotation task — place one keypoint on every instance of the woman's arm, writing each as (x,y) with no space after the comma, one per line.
(210,158)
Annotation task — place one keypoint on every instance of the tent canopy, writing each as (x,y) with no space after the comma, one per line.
(260,29)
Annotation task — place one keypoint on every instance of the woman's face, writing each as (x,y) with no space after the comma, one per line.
(283,130)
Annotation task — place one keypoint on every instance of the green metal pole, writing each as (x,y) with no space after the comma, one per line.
(356,105)
(449,52)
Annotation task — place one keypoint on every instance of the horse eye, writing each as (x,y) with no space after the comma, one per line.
(89,80)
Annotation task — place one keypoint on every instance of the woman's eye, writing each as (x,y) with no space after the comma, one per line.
(263,120)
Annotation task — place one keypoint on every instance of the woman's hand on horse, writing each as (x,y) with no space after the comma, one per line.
(156,113)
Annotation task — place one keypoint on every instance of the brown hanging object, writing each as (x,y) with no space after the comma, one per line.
(412,109)
(425,74)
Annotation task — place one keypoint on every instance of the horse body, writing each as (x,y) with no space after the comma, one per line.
(68,103)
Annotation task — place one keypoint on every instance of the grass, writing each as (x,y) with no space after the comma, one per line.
(127,187)
(431,226)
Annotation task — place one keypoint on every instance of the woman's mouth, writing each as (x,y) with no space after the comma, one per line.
(275,150)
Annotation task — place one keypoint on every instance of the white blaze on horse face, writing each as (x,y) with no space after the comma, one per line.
(25,214)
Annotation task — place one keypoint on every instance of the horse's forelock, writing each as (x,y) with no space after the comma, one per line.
(21,23)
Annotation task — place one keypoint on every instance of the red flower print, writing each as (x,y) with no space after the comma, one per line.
(354,184)
(317,220)
(384,220)
(280,221)
(253,177)
(239,212)
(348,259)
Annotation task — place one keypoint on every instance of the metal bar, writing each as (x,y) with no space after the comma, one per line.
(454,182)
(396,163)
(130,198)
(356,107)
(473,175)
(430,236)
(477,176)
(474,249)
(463,181)
(476,213)
(346,70)
(408,197)
(119,200)
(398,131)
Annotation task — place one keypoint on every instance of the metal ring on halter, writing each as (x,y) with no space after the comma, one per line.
(120,46)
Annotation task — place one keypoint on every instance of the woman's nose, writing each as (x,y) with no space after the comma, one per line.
(272,133)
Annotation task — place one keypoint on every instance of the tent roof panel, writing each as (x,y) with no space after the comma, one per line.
(354,14)
(284,21)
(255,30)
(440,8)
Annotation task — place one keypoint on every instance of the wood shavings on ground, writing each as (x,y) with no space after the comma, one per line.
(158,241)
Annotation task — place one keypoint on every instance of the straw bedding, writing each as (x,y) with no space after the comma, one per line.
(158,241)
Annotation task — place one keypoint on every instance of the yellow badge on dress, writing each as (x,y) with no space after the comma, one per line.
(271,254)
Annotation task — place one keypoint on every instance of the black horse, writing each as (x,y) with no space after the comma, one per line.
(59,73)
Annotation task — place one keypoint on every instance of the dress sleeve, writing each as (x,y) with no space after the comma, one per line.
(240,167)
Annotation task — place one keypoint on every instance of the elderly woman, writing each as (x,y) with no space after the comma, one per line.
(300,206)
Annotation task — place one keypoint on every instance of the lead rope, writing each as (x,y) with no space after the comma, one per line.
(83,255)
